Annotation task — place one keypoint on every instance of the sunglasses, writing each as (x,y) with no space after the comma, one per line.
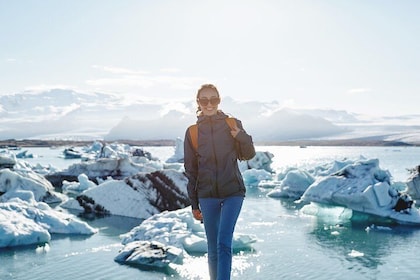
(205,101)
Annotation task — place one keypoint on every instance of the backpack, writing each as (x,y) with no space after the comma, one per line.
(193,131)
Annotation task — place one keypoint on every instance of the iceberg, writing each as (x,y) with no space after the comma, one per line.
(413,183)
(12,181)
(293,185)
(171,231)
(26,223)
(364,187)
(149,254)
(139,196)
(178,156)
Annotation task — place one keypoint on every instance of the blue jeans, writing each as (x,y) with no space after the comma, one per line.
(220,216)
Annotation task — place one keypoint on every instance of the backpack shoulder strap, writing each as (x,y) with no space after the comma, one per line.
(231,122)
(193,130)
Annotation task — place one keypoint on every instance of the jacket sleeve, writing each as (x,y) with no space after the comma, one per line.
(246,146)
(191,170)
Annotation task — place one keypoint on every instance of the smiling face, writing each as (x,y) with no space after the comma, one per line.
(208,100)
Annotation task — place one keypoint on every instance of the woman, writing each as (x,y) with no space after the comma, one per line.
(215,185)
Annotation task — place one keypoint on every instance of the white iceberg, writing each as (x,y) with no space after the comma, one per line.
(294,184)
(139,196)
(366,188)
(174,229)
(12,181)
(25,223)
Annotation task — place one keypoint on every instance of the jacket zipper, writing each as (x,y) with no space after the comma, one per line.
(215,158)
(198,164)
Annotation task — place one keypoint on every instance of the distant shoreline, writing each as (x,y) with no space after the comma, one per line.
(13,143)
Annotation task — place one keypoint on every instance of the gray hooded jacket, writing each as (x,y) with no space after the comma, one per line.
(213,170)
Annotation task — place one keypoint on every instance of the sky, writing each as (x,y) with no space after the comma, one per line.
(361,56)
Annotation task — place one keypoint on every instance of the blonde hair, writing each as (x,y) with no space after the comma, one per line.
(205,86)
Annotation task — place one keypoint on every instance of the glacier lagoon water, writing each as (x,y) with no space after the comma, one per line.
(290,245)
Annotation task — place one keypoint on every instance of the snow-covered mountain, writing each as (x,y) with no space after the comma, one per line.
(67,114)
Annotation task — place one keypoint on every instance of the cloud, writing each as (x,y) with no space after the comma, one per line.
(289,103)
(359,90)
(174,106)
(119,70)
(170,70)
(47,87)
(127,78)
(128,81)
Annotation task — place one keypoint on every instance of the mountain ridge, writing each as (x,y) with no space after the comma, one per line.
(65,114)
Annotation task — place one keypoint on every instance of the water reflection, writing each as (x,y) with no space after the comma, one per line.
(69,237)
(366,241)
(110,225)
(361,243)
